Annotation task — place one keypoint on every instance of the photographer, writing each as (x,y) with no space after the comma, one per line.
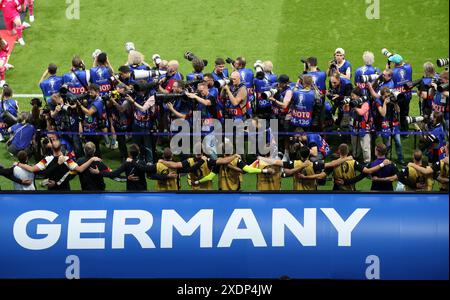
(268,72)
(387,121)
(91,118)
(180,107)
(121,117)
(64,114)
(339,65)
(21,136)
(219,72)
(198,66)
(49,82)
(9,109)
(166,83)
(439,92)
(340,88)
(425,93)
(402,74)
(301,109)
(206,104)
(144,105)
(366,70)
(101,73)
(235,97)
(78,78)
(246,78)
(263,106)
(434,143)
(319,77)
(281,100)
(360,125)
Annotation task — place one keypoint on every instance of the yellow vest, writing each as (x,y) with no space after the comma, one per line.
(304,184)
(444,173)
(230,180)
(345,171)
(199,174)
(418,177)
(268,182)
(166,185)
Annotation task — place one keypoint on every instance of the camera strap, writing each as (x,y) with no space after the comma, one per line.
(76,75)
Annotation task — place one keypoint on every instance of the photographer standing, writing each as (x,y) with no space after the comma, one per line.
(101,73)
(49,82)
(388,115)
(144,105)
(92,111)
(366,70)
(440,97)
(78,78)
(360,125)
(219,72)
(246,78)
(402,74)
(339,65)
(235,98)
(9,109)
(166,83)
(198,65)
(303,105)
(206,104)
(121,112)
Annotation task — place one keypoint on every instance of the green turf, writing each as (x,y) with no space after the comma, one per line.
(279,30)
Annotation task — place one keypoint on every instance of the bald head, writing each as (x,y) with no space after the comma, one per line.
(236,78)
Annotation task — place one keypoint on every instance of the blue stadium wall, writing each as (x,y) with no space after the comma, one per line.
(189,235)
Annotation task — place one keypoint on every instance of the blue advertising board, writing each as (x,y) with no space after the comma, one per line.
(188,235)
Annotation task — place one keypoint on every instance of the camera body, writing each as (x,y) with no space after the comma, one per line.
(36,102)
(191,56)
(259,69)
(230,61)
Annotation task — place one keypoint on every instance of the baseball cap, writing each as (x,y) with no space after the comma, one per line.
(396,58)
(283,78)
(340,50)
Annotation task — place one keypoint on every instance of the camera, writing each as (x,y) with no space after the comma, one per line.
(259,68)
(156,59)
(357,102)
(191,56)
(145,74)
(412,84)
(144,87)
(413,120)
(36,102)
(442,88)
(442,62)
(221,83)
(369,78)
(386,52)
(230,61)
(69,98)
(194,83)
(166,98)
(395,97)
(333,65)
(427,141)
(129,46)
(268,94)
(96,53)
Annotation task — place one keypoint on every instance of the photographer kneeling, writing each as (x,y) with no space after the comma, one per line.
(22,135)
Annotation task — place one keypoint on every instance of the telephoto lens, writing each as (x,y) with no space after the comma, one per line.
(442,62)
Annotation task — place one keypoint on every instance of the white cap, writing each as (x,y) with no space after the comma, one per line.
(340,50)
